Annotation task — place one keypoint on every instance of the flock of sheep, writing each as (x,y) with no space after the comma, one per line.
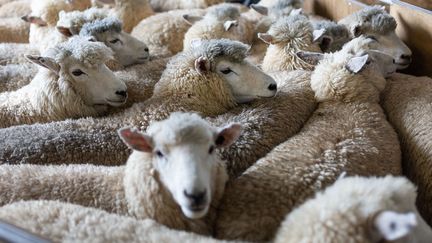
(246,124)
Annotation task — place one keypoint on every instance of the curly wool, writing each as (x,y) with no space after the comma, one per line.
(372,19)
(75,20)
(90,54)
(290,35)
(101,26)
(223,12)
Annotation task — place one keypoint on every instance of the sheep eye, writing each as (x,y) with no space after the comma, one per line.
(211,149)
(77,72)
(226,71)
(159,154)
(373,38)
(114,41)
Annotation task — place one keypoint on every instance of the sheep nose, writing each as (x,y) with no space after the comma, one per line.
(406,58)
(196,198)
(146,49)
(121,93)
(272,87)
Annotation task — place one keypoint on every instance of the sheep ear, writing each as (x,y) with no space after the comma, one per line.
(190,19)
(202,65)
(260,9)
(317,34)
(267,38)
(230,23)
(136,140)
(45,62)
(228,135)
(296,11)
(64,31)
(356,64)
(356,30)
(312,58)
(393,225)
(34,20)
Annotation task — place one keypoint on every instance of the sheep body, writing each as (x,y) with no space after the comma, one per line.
(86,224)
(13,29)
(326,219)
(347,132)
(15,9)
(407,103)
(164,32)
(167,5)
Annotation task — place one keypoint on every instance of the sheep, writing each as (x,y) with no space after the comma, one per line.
(15,9)
(407,103)
(127,50)
(167,5)
(129,12)
(347,132)
(286,37)
(330,35)
(220,21)
(279,9)
(172,176)
(373,210)
(73,81)
(65,222)
(201,79)
(374,21)
(164,32)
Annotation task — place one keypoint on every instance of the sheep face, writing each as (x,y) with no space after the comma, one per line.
(392,45)
(127,49)
(183,153)
(97,85)
(247,81)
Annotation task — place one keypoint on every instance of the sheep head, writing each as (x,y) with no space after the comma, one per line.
(80,65)
(354,73)
(182,149)
(376,23)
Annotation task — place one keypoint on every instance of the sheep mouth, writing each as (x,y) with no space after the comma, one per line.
(402,65)
(197,208)
(116,102)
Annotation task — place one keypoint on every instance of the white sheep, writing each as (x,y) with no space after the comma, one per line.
(211,77)
(164,32)
(130,12)
(358,209)
(408,105)
(375,22)
(73,81)
(220,21)
(166,5)
(347,132)
(173,176)
(13,29)
(286,37)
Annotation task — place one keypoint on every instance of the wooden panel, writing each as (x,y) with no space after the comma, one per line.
(426,4)
(332,9)
(414,28)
